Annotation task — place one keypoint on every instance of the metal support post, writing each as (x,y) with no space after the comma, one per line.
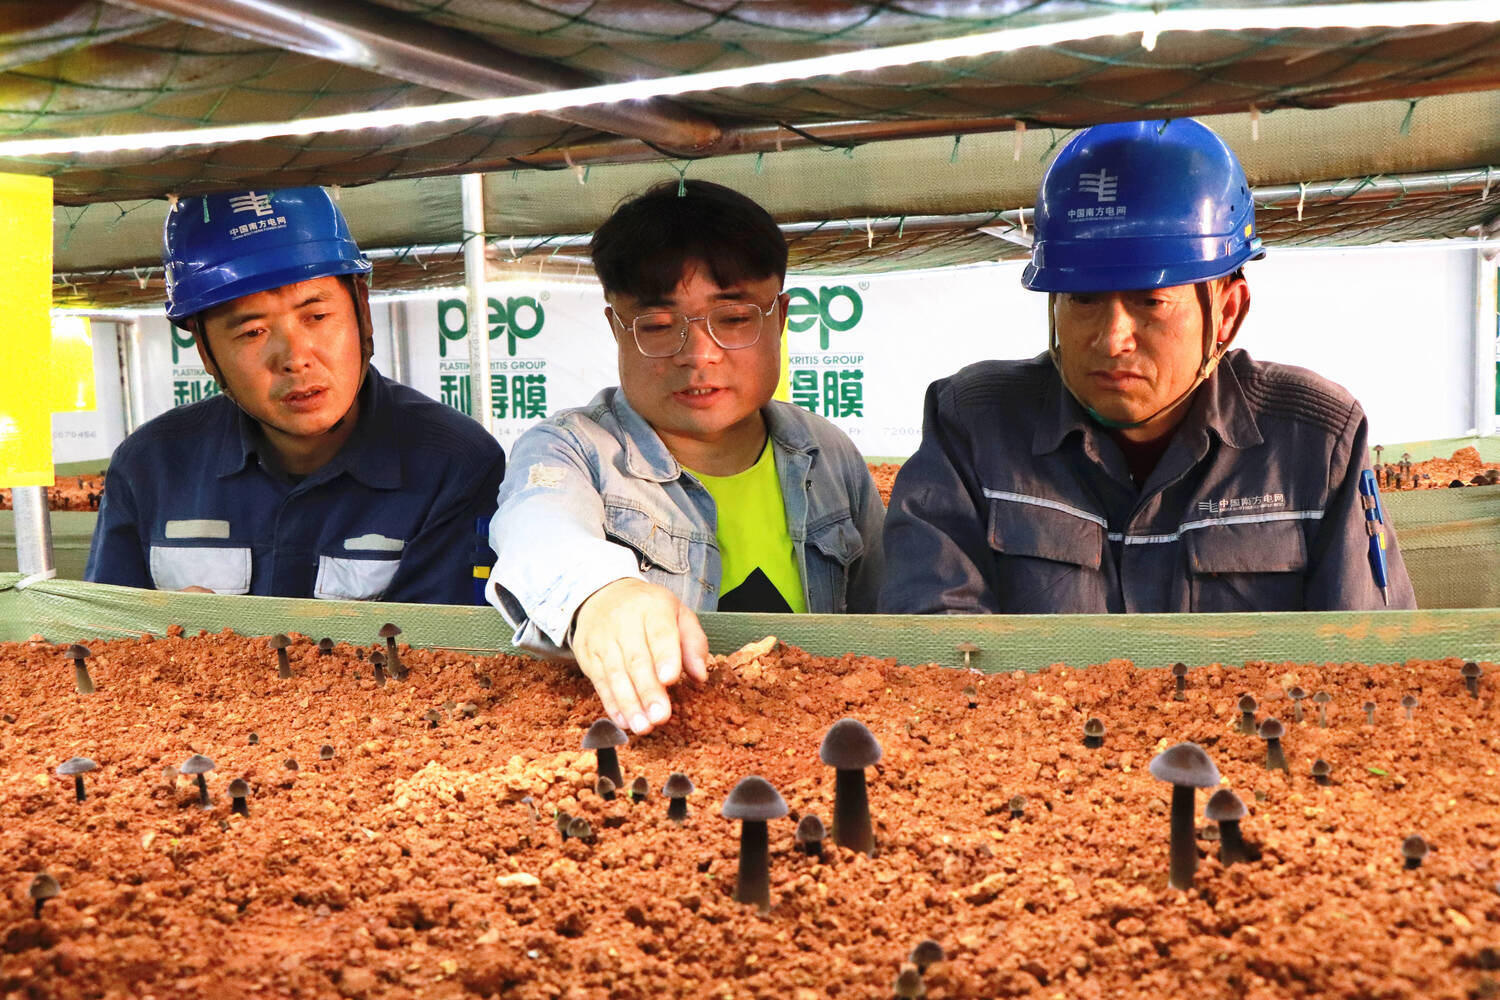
(400,328)
(478,307)
(1485,344)
(33,530)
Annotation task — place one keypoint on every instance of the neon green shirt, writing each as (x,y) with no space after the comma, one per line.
(760,570)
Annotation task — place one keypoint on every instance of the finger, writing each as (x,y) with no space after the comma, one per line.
(692,644)
(660,666)
(617,674)
(595,671)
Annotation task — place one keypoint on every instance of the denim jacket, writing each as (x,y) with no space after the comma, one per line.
(592,495)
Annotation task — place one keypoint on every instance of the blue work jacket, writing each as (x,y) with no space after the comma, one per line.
(594,496)
(190,501)
(1016,501)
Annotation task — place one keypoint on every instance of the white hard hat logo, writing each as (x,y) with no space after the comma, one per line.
(1099,184)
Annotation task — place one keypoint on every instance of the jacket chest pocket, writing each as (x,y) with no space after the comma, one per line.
(344,579)
(1046,560)
(655,547)
(224,569)
(832,549)
(1256,566)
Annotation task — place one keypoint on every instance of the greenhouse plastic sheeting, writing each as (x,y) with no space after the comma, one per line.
(71,611)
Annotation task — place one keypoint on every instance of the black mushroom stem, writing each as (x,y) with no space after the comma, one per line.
(199,765)
(1225,808)
(1271,730)
(239,792)
(753,802)
(849,748)
(678,787)
(1471,672)
(377,663)
(76,768)
(1188,767)
(388,632)
(1247,707)
(79,655)
(283,664)
(602,738)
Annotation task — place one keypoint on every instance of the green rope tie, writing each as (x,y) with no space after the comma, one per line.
(953,157)
(205,211)
(760,162)
(1411,109)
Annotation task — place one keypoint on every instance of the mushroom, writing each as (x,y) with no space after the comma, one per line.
(810,834)
(76,768)
(971,695)
(325,752)
(602,738)
(1247,708)
(1471,673)
(1414,849)
(239,791)
(283,665)
(1296,694)
(388,632)
(1322,772)
(377,661)
(1410,703)
(1093,734)
(433,717)
(1179,674)
(43,887)
(1225,808)
(325,646)
(563,819)
(605,789)
(1321,699)
(290,764)
(968,650)
(678,787)
(909,985)
(639,789)
(1271,730)
(849,748)
(1188,767)
(78,654)
(754,801)
(925,955)
(198,765)
(579,829)
(1369,707)
(1017,806)
(253,739)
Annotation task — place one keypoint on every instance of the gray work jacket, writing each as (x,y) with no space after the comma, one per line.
(592,495)
(1016,502)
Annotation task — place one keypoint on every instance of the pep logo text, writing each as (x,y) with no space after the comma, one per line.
(518,318)
(835,308)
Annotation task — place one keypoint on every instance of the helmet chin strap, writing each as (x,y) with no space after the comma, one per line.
(358,295)
(1213,353)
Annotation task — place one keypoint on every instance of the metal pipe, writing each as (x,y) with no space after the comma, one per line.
(1485,345)
(33,530)
(127,381)
(1380,186)
(478,302)
(400,329)
(391,44)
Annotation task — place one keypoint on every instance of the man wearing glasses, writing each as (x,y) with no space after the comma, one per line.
(686,487)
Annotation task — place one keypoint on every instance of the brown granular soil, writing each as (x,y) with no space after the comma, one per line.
(885,477)
(407,866)
(68,493)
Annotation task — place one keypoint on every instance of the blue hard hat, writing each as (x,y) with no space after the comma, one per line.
(1141,205)
(217,247)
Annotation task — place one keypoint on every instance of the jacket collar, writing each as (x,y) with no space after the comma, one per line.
(368,456)
(647,457)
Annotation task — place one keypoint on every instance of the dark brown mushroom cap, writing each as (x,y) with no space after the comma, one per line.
(1185,764)
(1093,727)
(1470,669)
(604,787)
(1271,729)
(76,652)
(640,786)
(1017,803)
(279,641)
(389,631)
(970,691)
(1322,698)
(579,829)
(1179,670)
(325,752)
(377,658)
(926,953)
(754,798)
(1414,848)
(849,746)
(678,786)
(967,647)
(1369,706)
(1224,806)
(44,886)
(1296,693)
(1321,768)
(433,716)
(909,985)
(1247,703)
(239,788)
(810,828)
(75,765)
(603,735)
(1409,701)
(196,764)
(325,645)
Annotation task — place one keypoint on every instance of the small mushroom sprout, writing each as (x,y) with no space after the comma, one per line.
(377,663)
(1414,850)
(754,801)
(1271,730)
(562,820)
(1188,767)
(1093,734)
(639,789)
(810,834)
(678,787)
(971,695)
(1369,707)
(1247,707)
(239,792)
(325,646)
(579,829)
(283,664)
(1321,699)
(1225,808)
(79,655)
(602,738)
(76,768)
(925,955)
(1410,703)
(1017,806)
(1322,772)
(1471,672)
(909,985)
(325,752)
(968,651)
(388,632)
(1179,676)
(43,887)
(604,788)
(198,765)
(849,748)
(1297,694)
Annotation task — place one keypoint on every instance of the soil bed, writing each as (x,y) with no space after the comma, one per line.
(406,865)
(68,493)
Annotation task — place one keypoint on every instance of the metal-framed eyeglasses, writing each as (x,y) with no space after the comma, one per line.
(661,333)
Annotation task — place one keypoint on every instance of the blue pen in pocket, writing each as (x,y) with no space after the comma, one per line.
(1369,499)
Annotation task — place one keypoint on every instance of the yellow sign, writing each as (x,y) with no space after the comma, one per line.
(72,364)
(25,379)
(784,383)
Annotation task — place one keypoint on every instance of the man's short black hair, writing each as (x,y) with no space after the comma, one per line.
(641,250)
